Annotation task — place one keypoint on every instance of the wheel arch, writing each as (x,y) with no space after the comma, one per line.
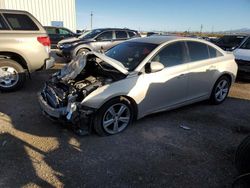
(130,99)
(228,75)
(16,57)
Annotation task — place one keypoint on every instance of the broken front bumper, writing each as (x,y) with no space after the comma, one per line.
(70,114)
(53,112)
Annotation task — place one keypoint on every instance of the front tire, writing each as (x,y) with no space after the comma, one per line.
(83,50)
(113,117)
(12,75)
(220,90)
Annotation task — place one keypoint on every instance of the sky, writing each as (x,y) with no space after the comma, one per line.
(165,15)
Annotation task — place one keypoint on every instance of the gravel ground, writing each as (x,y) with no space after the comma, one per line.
(154,152)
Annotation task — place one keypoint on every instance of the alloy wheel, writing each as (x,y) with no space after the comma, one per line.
(116,118)
(221,90)
(8,77)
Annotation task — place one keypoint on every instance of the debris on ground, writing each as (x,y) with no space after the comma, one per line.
(185,127)
(4,143)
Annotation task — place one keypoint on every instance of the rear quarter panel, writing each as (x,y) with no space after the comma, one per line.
(27,46)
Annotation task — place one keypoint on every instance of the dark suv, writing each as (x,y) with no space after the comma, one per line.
(57,34)
(94,40)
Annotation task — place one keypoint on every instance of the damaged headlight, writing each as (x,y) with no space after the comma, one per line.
(71,108)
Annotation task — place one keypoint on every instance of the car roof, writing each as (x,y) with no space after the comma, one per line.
(157,39)
(55,27)
(13,11)
(124,29)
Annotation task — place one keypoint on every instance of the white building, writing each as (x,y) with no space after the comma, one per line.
(48,12)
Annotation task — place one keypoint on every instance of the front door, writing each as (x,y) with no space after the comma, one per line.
(168,87)
(103,41)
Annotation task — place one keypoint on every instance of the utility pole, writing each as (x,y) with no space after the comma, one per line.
(91,20)
(201,28)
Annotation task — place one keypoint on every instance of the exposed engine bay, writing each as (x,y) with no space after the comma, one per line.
(67,88)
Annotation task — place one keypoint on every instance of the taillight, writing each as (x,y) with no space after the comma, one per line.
(45,41)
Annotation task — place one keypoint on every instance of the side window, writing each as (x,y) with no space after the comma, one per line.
(197,51)
(121,35)
(108,35)
(3,25)
(131,34)
(51,31)
(213,52)
(64,32)
(173,54)
(20,22)
(246,45)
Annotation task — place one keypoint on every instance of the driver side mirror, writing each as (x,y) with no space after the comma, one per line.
(154,66)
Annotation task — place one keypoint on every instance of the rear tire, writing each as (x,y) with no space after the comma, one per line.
(117,114)
(220,90)
(12,75)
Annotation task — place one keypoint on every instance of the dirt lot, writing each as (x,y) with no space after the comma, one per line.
(154,152)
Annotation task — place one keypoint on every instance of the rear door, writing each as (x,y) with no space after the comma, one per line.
(202,69)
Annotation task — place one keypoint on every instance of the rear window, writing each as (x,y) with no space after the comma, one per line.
(20,22)
(213,52)
(197,51)
(121,35)
(64,32)
(3,25)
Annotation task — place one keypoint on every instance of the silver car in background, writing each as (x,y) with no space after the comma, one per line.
(136,78)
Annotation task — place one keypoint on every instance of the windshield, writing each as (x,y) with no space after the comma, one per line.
(90,34)
(131,54)
(230,41)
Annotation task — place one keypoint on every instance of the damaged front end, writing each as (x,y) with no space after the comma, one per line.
(62,96)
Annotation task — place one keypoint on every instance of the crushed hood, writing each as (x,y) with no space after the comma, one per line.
(72,69)
(114,63)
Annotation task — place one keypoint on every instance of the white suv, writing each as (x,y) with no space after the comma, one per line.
(242,57)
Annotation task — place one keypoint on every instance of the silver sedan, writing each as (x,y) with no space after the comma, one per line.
(136,78)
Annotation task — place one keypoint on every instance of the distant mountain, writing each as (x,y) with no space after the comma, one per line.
(243,30)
